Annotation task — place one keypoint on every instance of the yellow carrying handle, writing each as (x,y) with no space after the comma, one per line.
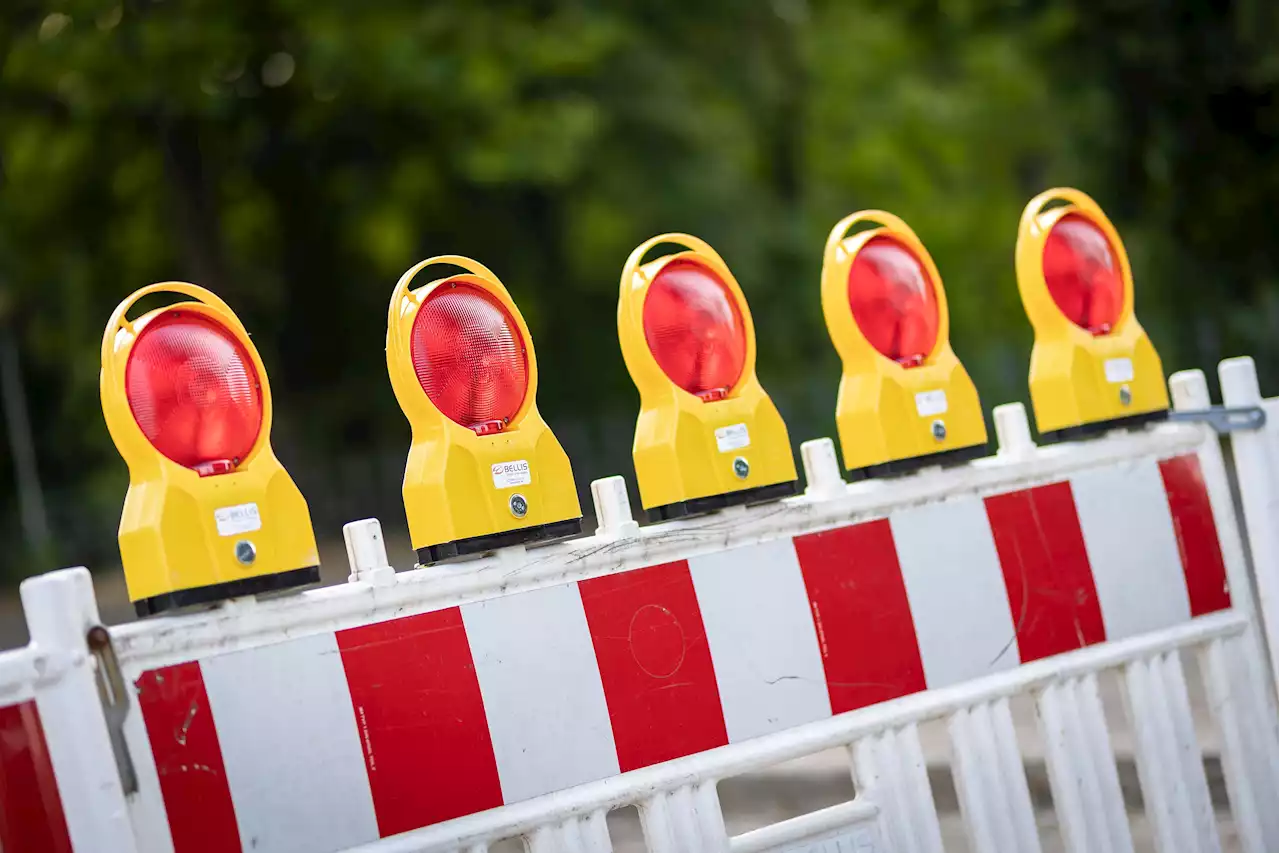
(879,217)
(1071,196)
(632,267)
(119,321)
(403,290)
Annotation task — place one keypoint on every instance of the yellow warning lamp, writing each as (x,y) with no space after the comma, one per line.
(708,436)
(210,514)
(484,470)
(905,399)
(1092,367)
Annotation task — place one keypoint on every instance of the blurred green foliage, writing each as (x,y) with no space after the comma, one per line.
(297,155)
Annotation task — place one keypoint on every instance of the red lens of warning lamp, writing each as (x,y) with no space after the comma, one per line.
(893,301)
(470,357)
(694,329)
(1083,274)
(194,392)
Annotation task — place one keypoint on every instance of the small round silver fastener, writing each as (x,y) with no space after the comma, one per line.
(939,430)
(741,468)
(1126,396)
(519,506)
(245,552)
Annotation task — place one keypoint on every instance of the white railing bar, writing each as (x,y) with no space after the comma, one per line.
(804,826)
(525,817)
(245,623)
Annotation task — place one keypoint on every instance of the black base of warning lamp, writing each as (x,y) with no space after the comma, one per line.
(901,467)
(1099,428)
(214,593)
(711,503)
(459,548)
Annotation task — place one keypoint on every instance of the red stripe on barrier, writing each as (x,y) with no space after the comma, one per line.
(421,719)
(1197,534)
(861,613)
(31,817)
(184,743)
(655,665)
(1046,570)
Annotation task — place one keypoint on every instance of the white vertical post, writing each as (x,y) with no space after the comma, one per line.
(1082,768)
(367,553)
(1190,392)
(1237,683)
(613,508)
(1247,732)
(595,833)
(990,780)
(889,770)
(1013,433)
(1254,456)
(821,469)
(687,818)
(655,822)
(710,817)
(60,609)
(1170,767)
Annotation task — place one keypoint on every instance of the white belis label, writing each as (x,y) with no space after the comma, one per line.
(930,403)
(1118,369)
(233,520)
(509,474)
(732,437)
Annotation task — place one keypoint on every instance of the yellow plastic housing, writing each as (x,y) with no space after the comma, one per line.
(455,495)
(687,450)
(1079,380)
(174,539)
(886,413)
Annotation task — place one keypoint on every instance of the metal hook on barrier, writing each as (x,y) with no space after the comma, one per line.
(1225,419)
(115,702)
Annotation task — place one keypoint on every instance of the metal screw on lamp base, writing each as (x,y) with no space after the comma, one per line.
(245,552)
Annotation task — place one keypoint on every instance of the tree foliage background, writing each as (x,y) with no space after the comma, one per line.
(297,155)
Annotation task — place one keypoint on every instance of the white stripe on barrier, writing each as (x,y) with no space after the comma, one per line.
(956,589)
(1129,536)
(763,643)
(290,746)
(548,720)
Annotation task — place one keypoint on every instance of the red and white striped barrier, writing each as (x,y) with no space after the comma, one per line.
(338,738)
(528,692)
